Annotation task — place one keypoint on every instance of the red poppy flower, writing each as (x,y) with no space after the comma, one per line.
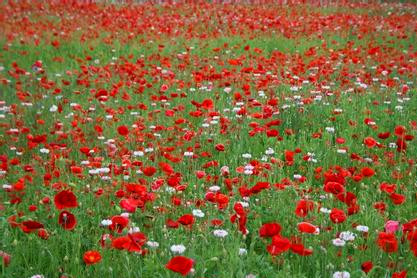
(387,242)
(305,227)
(334,187)
(299,249)
(67,220)
(43,234)
(180,264)
(123,130)
(397,199)
(118,223)
(149,171)
(337,216)
(367,266)
(220,147)
(30,226)
(91,257)
(65,199)
(303,207)
(269,230)
(186,219)
(402,274)
(6,258)
(279,245)
(367,172)
(370,142)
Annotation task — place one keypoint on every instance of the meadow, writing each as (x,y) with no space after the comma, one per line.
(205,139)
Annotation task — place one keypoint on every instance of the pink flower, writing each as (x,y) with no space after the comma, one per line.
(392,226)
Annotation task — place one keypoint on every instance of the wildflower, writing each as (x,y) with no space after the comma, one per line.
(178,249)
(347,236)
(243,251)
(362,228)
(180,264)
(220,233)
(198,213)
(153,244)
(91,257)
(338,242)
(341,274)
(392,226)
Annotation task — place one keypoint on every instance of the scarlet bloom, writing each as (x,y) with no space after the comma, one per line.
(30,226)
(149,171)
(402,274)
(123,130)
(303,207)
(269,230)
(298,248)
(334,187)
(91,257)
(387,242)
(337,216)
(305,227)
(65,199)
(259,186)
(367,172)
(220,147)
(186,219)
(180,264)
(118,223)
(279,245)
(397,199)
(369,142)
(67,220)
(43,234)
(367,266)
(6,258)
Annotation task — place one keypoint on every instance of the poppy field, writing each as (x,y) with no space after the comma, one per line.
(208,139)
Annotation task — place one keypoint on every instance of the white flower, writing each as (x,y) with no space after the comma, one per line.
(347,236)
(342,151)
(178,249)
(134,230)
(106,222)
(103,170)
(53,108)
(338,242)
(330,129)
(246,155)
(37,276)
(152,244)
(198,213)
(138,153)
(188,153)
(244,204)
(269,151)
(125,214)
(324,210)
(220,233)
(243,251)
(297,176)
(362,228)
(248,172)
(392,145)
(341,274)
(214,188)
(44,150)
